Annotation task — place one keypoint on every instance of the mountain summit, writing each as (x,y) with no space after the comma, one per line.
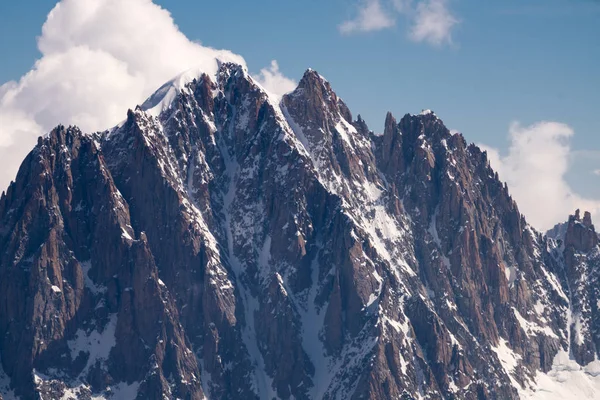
(222,243)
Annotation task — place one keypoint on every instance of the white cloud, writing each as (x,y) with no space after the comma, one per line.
(430,21)
(274,81)
(371,17)
(535,169)
(99,57)
(596,172)
(433,23)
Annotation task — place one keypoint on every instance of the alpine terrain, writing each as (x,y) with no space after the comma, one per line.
(223,243)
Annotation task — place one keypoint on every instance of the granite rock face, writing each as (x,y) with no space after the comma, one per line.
(225,244)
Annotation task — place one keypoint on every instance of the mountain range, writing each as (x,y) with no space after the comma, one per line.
(226,243)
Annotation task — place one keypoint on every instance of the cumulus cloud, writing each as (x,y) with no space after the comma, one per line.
(433,23)
(99,57)
(274,81)
(371,17)
(430,21)
(534,169)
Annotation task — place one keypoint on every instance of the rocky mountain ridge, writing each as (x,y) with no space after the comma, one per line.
(223,243)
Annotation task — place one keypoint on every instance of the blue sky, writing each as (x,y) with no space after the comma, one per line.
(510,60)
(526,61)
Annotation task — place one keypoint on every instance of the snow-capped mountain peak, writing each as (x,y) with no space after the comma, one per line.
(225,243)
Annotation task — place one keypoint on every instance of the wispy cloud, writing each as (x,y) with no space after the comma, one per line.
(274,81)
(535,169)
(433,23)
(370,17)
(429,21)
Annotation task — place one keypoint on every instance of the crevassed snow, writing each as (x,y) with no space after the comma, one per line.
(566,381)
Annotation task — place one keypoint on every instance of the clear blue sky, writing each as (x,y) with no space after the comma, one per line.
(511,60)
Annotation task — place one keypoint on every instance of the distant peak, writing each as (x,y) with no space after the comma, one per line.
(312,77)
(230,68)
(389,118)
(581,234)
(391,125)
(310,71)
(587,218)
(164,96)
(61,134)
(314,88)
(424,126)
(167,93)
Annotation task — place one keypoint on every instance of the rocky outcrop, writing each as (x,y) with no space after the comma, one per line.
(582,264)
(80,295)
(224,243)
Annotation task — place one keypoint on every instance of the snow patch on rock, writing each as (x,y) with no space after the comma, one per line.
(566,381)
(97,343)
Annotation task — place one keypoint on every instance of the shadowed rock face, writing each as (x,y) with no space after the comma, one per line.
(235,246)
(582,264)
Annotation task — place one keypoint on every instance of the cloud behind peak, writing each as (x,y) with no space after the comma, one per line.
(99,58)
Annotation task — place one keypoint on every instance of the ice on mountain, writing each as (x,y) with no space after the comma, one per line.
(566,381)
